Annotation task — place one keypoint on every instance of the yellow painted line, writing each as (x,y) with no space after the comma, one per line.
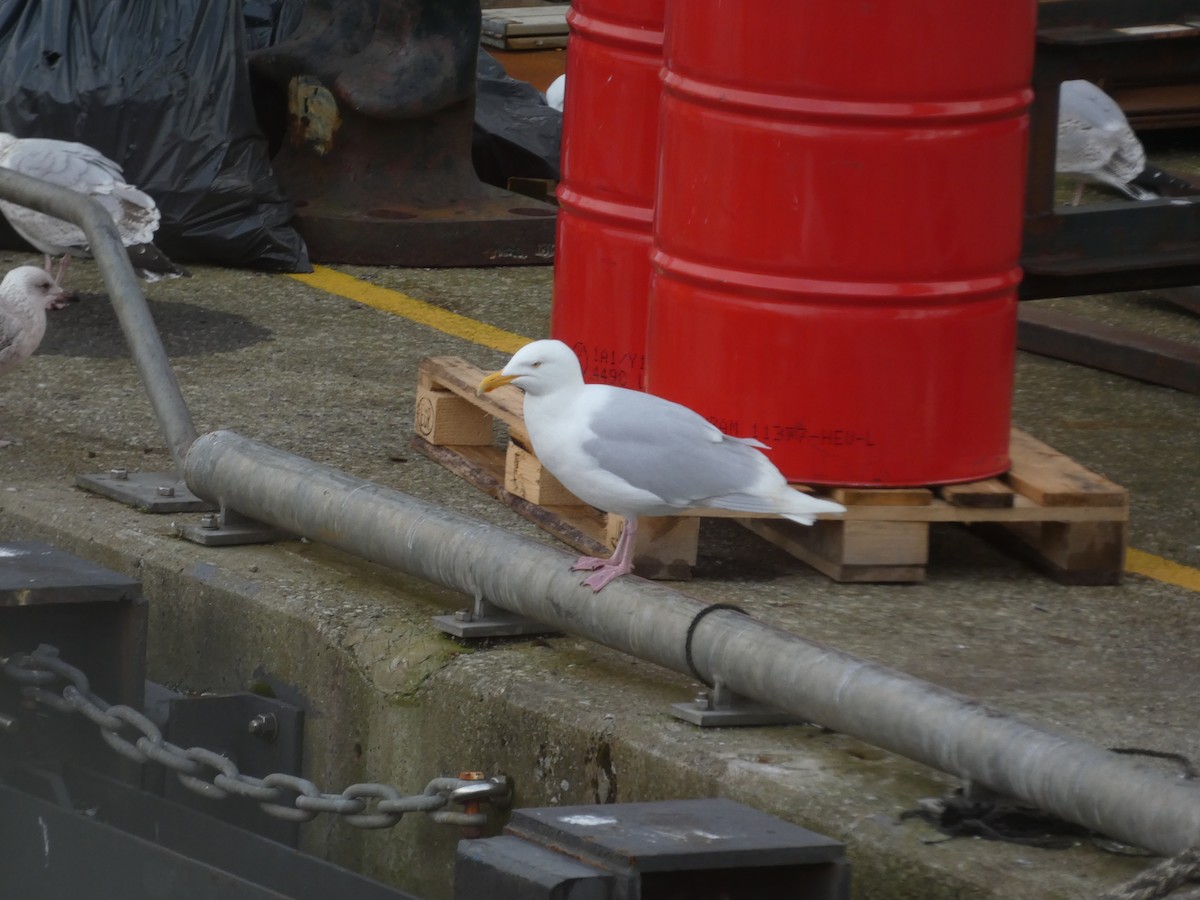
(333,282)
(411,308)
(1160,569)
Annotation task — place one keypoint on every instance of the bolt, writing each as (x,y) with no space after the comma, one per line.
(704,700)
(265,726)
(462,615)
(119,474)
(210,522)
(472,806)
(165,490)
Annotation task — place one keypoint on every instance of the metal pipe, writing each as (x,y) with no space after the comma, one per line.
(1073,779)
(125,293)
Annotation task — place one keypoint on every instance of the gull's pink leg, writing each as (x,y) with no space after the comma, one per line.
(59,276)
(620,563)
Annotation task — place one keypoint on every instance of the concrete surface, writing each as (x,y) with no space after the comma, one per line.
(392,700)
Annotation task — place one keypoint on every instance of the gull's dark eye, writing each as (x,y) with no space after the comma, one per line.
(535,365)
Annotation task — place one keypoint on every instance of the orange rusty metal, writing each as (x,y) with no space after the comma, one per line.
(472,806)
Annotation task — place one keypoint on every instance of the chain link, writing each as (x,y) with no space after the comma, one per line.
(385,815)
(280,795)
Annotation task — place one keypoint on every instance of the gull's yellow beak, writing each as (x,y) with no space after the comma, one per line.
(493,381)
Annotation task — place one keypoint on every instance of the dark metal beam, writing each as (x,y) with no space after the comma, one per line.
(1076,339)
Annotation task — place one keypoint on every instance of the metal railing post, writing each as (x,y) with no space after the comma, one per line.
(126,295)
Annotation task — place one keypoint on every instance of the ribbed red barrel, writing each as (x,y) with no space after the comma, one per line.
(837,229)
(609,163)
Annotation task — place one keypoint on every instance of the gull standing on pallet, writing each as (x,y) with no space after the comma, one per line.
(84,170)
(634,454)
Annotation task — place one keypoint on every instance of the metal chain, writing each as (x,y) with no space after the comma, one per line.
(215,776)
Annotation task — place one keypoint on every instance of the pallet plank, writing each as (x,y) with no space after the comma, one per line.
(525,28)
(860,496)
(538,42)
(581,527)
(991,493)
(1050,478)
(1022,510)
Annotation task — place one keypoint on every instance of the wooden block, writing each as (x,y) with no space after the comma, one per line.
(446,419)
(460,377)
(992,493)
(853,551)
(525,476)
(1069,552)
(1049,478)
(857,496)
(665,548)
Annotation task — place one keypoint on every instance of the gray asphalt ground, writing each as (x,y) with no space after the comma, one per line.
(333,380)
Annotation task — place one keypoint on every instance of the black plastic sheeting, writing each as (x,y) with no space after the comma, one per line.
(163,89)
(516,133)
(269,21)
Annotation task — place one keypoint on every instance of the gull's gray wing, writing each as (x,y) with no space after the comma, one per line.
(669,450)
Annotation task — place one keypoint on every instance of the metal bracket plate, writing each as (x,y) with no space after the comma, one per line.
(228,529)
(486,621)
(722,708)
(152,492)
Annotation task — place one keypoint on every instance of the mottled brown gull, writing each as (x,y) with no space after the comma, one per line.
(87,171)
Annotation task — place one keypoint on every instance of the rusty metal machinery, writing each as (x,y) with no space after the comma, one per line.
(377,157)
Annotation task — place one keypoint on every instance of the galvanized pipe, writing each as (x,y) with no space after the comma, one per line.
(1073,779)
(125,293)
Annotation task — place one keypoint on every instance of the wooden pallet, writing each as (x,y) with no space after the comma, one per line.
(1066,519)
(525,27)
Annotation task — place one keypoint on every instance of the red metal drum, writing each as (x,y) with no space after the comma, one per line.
(837,231)
(609,163)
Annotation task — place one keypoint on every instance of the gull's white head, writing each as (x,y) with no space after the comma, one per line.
(538,368)
(29,287)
